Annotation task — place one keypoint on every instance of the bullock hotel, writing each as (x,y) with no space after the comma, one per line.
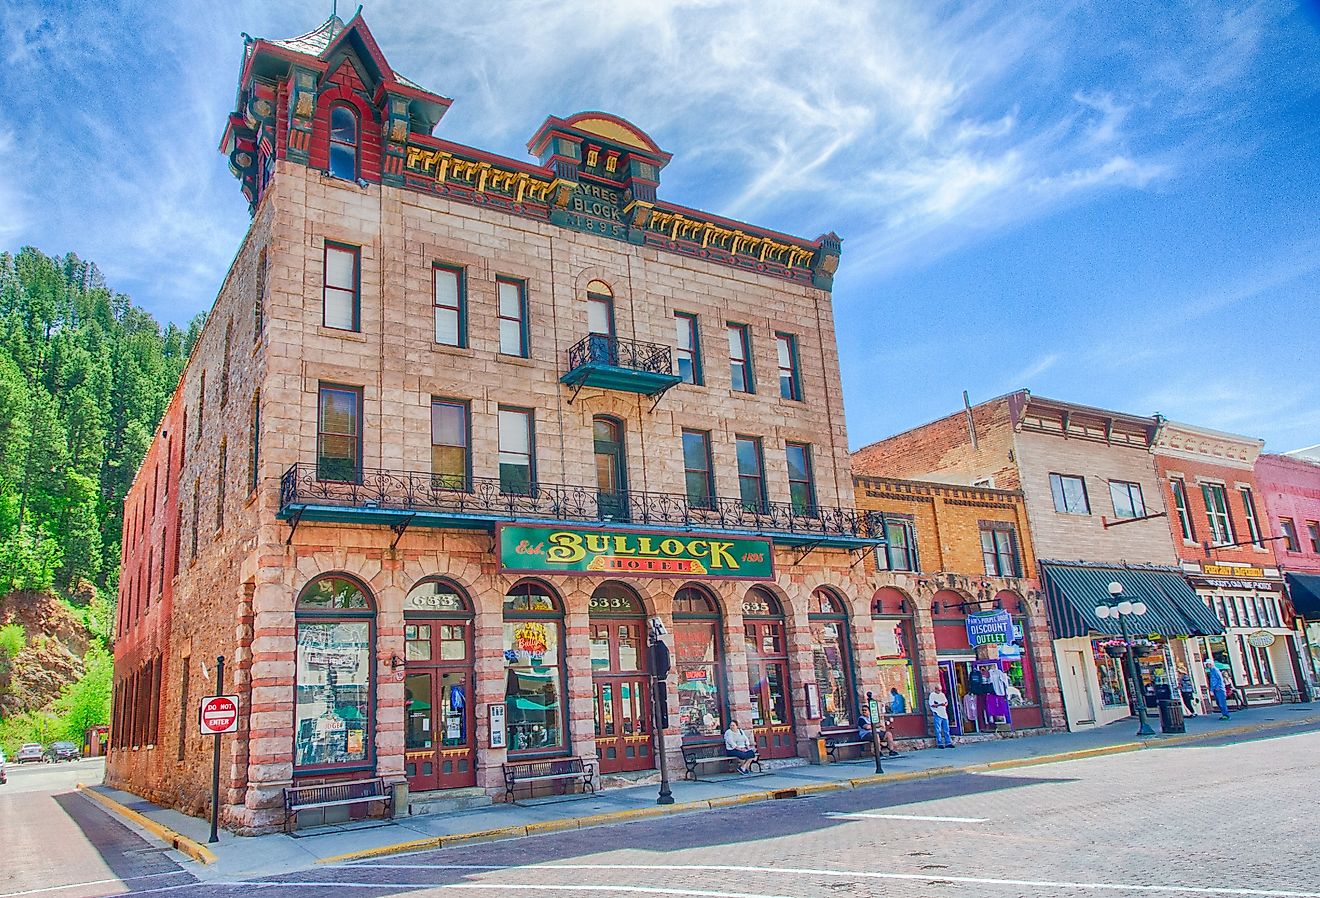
(459,430)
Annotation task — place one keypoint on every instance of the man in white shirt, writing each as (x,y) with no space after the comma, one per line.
(939,710)
(738,745)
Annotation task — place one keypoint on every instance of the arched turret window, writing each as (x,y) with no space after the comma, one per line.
(343,143)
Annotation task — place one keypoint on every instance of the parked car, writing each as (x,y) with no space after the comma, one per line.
(63,751)
(32,751)
(3,778)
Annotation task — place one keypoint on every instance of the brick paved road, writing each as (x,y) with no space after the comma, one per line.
(1234,819)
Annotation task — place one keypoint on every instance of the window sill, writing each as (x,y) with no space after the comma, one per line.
(341,333)
(521,361)
(466,352)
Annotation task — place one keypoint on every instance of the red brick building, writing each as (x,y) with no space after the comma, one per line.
(1290,488)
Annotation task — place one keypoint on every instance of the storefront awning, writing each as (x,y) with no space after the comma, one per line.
(1073,590)
(1304,589)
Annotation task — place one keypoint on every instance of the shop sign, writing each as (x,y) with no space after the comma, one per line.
(548,549)
(1226,583)
(989,628)
(1261,639)
(497,726)
(434,602)
(1230,570)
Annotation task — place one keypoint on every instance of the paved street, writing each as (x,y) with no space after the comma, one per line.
(1187,820)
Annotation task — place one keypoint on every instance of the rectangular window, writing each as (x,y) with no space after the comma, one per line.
(687,347)
(1179,489)
(224,370)
(254,443)
(201,405)
(751,473)
(1216,512)
(790,385)
(517,471)
(999,552)
(185,675)
(221,477)
(513,317)
(1289,535)
(1253,523)
(1069,494)
(1313,534)
(1127,499)
(740,359)
(196,515)
(899,553)
(450,306)
(449,444)
(801,483)
(178,539)
(697,472)
(339,434)
(258,302)
(340,295)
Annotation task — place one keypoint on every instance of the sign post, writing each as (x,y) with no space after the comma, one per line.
(217,715)
(873,710)
(660,704)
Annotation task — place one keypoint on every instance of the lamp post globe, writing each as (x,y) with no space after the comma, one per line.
(1125,607)
(1102,611)
(1115,588)
(1138,608)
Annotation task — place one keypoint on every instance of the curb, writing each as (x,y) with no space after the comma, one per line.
(728,801)
(179,842)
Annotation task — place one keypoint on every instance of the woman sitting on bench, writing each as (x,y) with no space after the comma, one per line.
(737,745)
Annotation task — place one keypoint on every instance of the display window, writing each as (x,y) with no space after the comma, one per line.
(333,728)
(895,652)
(534,669)
(1109,674)
(831,659)
(698,664)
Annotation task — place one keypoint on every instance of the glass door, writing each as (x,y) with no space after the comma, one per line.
(420,750)
(456,766)
(623,723)
(949,684)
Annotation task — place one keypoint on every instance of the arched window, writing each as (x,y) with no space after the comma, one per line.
(600,321)
(767,673)
(332,701)
(831,655)
(343,142)
(534,668)
(698,664)
(895,650)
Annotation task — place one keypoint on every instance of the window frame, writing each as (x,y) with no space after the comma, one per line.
(1291,542)
(789,341)
(692,320)
(322,388)
(998,553)
(838,615)
(529,415)
(708,472)
(356,291)
(465,407)
(1214,515)
(1178,489)
(1057,492)
(885,551)
(557,618)
(1253,521)
(808,508)
(1313,535)
(524,329)
(254,444)
(354,148)
(1126,487)
(762,501)
(460,307)
(744,337)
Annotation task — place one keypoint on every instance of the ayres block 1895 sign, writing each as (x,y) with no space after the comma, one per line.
(548,549)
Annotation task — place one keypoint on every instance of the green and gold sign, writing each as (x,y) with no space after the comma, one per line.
(549,549)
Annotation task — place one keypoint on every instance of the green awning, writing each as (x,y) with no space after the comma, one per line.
(1304,590)
(1073,590)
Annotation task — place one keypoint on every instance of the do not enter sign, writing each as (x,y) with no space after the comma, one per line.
(219,714)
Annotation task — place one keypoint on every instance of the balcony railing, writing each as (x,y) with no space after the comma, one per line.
(447,501)
(612,363)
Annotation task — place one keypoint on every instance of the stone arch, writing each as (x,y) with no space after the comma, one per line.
(889,600)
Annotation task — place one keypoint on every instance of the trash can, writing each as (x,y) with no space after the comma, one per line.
(1171,716)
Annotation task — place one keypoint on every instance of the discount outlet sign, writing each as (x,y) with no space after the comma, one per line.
(218,714)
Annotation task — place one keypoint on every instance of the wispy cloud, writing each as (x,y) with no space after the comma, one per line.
(1028,375)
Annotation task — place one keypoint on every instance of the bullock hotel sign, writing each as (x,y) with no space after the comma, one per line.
(547,549)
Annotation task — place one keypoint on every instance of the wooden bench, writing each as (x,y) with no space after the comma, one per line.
(1289,694)
(330,795)
(700,754)
(1262,694)
(837,739)
(561,771)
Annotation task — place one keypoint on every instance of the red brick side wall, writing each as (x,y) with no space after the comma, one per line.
(1290,489)
(945,447)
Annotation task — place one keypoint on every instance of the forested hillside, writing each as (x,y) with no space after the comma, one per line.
(84,379)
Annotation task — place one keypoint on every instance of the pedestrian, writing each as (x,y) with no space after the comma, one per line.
(939,710)
(737,745)
(1188,689)
(897,703)
(1216,681)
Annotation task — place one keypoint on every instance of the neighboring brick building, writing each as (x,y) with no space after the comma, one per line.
(462,429)
(971,552)
(1093,503)
(1290,487)
(1217,520)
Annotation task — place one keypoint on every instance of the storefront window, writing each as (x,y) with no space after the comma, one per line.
(332,703)
(831,657)
(894,658)
(697,660)
(533,663)
(1109,672)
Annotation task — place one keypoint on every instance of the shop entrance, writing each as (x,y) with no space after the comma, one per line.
(767,674)
(620,682)
(974,706)
(439,749)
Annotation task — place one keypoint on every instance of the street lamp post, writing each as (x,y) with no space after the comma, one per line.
(1121,608)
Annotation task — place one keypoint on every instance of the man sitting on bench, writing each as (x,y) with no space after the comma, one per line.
(886,736)
(737,745)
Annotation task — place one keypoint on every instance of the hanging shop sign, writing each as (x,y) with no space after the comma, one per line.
(548,549)
(1261,639)
(989,628)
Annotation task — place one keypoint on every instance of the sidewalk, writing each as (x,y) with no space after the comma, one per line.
(239,857)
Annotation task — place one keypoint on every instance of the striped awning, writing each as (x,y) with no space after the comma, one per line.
(1073,590)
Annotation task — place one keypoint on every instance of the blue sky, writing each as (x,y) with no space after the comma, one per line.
(1122,211)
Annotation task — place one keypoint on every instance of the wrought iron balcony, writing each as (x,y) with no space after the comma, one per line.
(611,363)
(378,496)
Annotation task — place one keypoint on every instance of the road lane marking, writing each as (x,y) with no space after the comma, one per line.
(839,815)
(94,882)
(863,874)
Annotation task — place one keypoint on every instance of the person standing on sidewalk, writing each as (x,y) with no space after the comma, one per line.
(1188,690)
(1216,681)
(939,710)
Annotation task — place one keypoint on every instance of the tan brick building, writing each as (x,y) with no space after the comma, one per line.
(461,430)
(972,555)
(1095,507)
